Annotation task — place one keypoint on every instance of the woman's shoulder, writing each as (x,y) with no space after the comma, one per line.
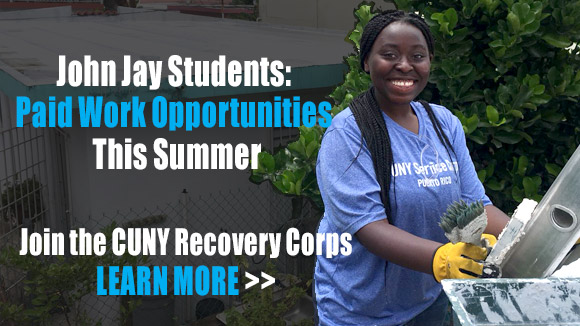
(345,121)
(439,110)
(443,114)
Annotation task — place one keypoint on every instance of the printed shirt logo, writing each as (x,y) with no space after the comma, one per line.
(428,169)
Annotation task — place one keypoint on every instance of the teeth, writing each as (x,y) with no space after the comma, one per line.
(402,82)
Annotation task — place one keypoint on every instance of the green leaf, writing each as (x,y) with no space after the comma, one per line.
(364,14)
(299,174)
(297,148)
(470,7)
(355,36)
(507,137)
(516,113)
(289,176)
(532,80)
(494,185)
(521,10)
(311,148)
(477,137)
(285,185)
(298,187)
(404,5)
(496,44)
(552,116)
(472,123)
(490,169)
(553,169)
(447,20)
(492,114)
(525,136)
(464,70)
(523,95)
(517,194)
(481,175)
(267,161)
(539,89)
(531,185)
(490,5)
(554,77)
(528,123)
(559,41)
(514,22)
(522,165)
(532,27)
(451,17)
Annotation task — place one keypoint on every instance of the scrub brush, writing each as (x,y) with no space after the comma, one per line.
(464,222)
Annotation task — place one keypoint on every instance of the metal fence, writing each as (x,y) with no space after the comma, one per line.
(253,209)
(23,190)
(34,193)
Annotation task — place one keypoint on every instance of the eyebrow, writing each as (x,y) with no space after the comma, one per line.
(393,45)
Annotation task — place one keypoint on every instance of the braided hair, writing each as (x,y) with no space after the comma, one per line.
(368,114)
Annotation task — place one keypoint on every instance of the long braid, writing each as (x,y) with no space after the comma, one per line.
(368,114)
(438,129)
(374,130)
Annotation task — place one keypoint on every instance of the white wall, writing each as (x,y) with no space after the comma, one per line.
(98,192)
(95,192)
(327,14)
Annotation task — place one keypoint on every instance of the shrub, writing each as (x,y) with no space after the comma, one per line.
(509,70)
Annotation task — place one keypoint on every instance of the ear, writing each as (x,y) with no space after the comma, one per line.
(366,68)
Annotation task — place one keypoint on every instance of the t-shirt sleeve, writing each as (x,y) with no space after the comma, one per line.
(347,181)
(471,188)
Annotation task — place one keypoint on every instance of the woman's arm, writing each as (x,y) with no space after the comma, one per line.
(459,260)
(407,250)
(400,247)
(496,220)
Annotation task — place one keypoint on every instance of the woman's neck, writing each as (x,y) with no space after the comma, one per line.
(404,115)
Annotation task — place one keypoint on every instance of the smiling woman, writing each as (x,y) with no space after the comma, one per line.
(398,257)
(399,64)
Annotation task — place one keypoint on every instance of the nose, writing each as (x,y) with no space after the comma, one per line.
(404,65)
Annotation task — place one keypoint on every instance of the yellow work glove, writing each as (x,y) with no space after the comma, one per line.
(488,241)
(458,261)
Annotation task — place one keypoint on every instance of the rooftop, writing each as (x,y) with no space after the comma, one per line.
(31,42)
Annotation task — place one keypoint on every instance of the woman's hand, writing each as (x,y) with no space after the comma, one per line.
(459,260)
(407,250)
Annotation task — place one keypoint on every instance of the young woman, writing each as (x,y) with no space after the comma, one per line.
(387,170)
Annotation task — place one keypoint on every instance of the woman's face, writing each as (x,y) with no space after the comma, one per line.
(399,64)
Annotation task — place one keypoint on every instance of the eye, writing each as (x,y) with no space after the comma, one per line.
(419,56)
(389,55)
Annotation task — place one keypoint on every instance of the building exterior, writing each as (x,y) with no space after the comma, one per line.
(324,14)
(67,190)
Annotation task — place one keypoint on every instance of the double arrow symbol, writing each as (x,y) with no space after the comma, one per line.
(254,280)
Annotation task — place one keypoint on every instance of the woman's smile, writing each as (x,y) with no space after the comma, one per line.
(403,85)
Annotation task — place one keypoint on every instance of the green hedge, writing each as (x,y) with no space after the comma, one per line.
(510,70)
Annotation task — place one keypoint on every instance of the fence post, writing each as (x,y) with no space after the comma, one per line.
(186,303)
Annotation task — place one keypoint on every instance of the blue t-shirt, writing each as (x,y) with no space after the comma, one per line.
(362,288)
